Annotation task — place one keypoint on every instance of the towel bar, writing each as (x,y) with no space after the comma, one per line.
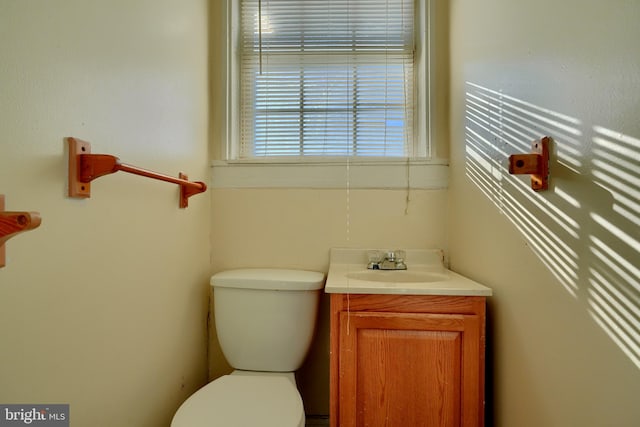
(84,167)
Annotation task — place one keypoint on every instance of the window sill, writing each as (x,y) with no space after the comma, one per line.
(332,173)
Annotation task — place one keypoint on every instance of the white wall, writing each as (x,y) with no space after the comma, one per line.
(104,306)
(563,264)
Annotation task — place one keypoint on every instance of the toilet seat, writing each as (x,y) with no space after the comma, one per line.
(242,401)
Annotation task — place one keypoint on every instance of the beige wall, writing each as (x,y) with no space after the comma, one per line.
(563,264)
(104,306)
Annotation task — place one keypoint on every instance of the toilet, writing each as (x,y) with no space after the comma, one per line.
(265,320)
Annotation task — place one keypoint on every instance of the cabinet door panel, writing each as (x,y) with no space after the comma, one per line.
(404,369)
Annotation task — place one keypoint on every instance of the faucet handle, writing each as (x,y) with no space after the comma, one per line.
(374,258)
(400,264)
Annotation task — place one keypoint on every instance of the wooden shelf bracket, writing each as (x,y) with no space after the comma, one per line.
(84,167)
(13,223)
(535,164)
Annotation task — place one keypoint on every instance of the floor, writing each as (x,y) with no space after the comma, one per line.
(317,421)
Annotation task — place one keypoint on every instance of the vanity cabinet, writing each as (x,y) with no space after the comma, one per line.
(407,360)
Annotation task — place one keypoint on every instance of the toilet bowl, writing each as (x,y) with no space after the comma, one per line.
(265,319)
(243,400)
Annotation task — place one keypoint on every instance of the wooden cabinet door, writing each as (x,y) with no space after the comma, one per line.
(409,370)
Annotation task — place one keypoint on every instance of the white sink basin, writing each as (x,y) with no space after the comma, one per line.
(397,276)
(426,274)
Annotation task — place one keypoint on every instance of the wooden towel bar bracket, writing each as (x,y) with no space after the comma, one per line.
(12,223)
(535,164)
(84,167)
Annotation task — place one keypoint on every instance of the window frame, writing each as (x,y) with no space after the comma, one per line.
(434,155)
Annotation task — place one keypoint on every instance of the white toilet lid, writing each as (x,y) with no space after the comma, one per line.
(243,401)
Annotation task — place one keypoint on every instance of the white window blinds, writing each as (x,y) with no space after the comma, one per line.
(326,78)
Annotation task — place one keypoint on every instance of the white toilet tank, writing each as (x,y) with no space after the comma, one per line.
(265,318)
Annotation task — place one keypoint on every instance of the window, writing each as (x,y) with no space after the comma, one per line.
(325,78)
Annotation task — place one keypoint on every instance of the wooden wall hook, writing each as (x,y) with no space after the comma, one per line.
(535,164)
(12,223)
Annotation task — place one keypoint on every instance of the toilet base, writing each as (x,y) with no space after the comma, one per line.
(242,399)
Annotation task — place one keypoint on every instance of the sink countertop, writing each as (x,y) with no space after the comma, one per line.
(425,275)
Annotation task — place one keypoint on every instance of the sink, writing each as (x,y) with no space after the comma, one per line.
(397,276)
(426,274)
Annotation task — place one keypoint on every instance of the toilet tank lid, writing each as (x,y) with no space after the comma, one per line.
(269,279)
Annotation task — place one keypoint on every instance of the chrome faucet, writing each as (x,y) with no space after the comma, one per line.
(391,260)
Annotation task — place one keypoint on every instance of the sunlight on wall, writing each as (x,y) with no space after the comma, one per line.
(585,229)
(614,292)
(499,125)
